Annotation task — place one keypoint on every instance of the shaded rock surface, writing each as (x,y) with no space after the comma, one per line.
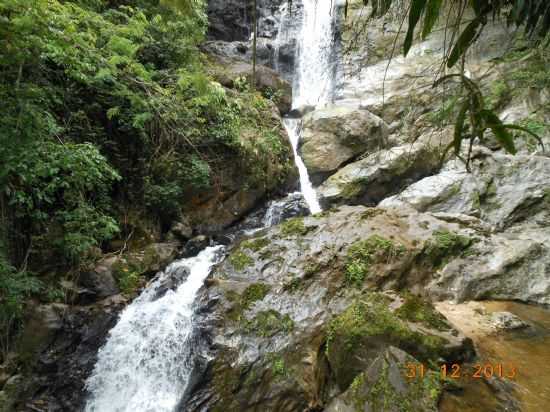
(293,322)
(336,135)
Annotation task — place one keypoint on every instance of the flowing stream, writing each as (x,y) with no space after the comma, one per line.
(147,361)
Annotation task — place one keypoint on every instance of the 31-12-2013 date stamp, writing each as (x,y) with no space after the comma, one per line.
(456,371)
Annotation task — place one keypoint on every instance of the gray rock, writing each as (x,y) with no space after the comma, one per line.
(182,230)
(99,281)
(336,135)
(507,321)
(381,174)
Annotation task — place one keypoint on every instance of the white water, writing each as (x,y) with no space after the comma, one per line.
(293,128)
(313,83)
(147,359)
(313,77)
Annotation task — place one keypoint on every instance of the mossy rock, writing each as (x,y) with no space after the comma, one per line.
(445,245)
(365,328)
(240,260)
(416,309)
(384,387)
(294,227)
(268,323)
(363,254)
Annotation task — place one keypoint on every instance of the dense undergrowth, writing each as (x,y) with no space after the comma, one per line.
(106,113)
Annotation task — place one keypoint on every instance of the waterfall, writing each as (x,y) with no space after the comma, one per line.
(293,128)
(313,78)
(147,360)
(313,84)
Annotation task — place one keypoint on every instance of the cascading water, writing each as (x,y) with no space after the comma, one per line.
(148,359)
(293,128)
(146,362)
(313,82)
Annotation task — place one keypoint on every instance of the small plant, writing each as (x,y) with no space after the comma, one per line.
(240,260)
(254,293)
(256,244)
(294,227)
(361,255)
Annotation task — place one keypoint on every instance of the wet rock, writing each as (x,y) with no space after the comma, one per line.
(383,386)
(381,174)
(195,245)
(60,347)
(507,321)
(336,135)
(99,282)
(171,282)
(278,311)
(182,230)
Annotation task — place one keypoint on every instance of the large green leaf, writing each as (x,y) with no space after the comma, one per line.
(432,13)
(417,8)
(500,130)
(467,37)
(459,126)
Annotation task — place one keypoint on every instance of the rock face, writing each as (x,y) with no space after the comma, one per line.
(336,135)
(268,81)
(60,350)
(297,317)
(383,173)
(230,26)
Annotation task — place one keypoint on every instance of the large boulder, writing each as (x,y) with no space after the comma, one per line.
(502,189)
(336,135)
(293,316)
(384,173)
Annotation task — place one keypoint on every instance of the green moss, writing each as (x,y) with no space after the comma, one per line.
(294,227)
(367,322)
(311,269)
(278,367)
(240,260)
(254,293)
(445,244)
(416,309)
(362,254)
(293,285)
(353,189)
(256,244)
(268,323)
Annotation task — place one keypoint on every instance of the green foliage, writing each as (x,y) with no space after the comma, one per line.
(65,185)
(268,323)
(474,119)
(15,287)
(444,245)
(294,227)
(240,260)
(362,254)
